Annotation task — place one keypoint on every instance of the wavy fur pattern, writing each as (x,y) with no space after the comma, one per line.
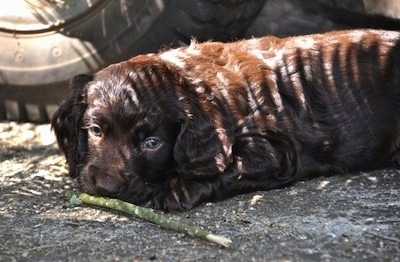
(212,120)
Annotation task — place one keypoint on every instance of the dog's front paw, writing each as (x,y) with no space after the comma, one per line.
(179,195)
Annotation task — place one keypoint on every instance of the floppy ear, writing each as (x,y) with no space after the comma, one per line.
(66,123)
(203,149)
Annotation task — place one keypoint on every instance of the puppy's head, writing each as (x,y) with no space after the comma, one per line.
(116,134)
(130,128)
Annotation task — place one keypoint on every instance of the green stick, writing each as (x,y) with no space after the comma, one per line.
(76,197)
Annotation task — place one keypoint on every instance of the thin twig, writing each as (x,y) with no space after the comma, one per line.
(42,247)
(394,239)
(148,214)
(388,221)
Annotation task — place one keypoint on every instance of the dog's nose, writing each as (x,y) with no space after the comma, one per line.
(107,185)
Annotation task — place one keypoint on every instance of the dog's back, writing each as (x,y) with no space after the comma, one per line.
(336,94)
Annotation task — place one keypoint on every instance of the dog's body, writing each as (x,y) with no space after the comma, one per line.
(212,120)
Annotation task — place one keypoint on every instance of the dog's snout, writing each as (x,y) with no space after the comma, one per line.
(102,181)
(107,185)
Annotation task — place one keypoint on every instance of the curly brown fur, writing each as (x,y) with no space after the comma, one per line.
(212,120)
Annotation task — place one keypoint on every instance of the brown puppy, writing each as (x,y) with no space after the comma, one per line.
(212,120)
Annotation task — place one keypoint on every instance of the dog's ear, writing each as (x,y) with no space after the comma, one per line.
(203,149)
(66,124)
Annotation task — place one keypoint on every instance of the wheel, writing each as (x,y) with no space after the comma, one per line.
(47,42)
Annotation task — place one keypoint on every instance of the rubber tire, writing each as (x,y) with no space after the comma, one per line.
(35,72)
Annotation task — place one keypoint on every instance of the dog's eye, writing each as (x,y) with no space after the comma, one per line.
(152,143)
(95,130)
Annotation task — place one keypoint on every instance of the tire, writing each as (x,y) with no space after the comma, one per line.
(55,41)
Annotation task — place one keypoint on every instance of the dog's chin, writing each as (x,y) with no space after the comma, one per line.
(140,197)
(137,193)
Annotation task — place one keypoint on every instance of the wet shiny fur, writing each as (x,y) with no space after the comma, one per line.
(213,120)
